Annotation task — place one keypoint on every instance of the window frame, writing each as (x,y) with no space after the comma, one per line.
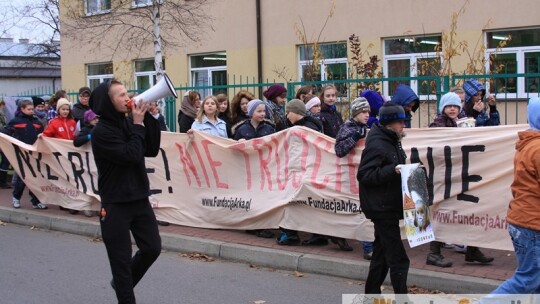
(100,77)
(520,67)
(413,63)
(99,10)
(209,70)
(152,75)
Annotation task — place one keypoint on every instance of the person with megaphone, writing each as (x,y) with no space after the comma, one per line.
(120,144)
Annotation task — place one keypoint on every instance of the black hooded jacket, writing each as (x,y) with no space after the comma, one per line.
(380,185)
(119,149)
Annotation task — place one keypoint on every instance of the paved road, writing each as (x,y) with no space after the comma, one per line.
(38,266)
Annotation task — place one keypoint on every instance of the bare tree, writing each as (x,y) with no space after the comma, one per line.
(124,30)
(40,22)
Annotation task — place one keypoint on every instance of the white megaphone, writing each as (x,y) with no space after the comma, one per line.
(163,88)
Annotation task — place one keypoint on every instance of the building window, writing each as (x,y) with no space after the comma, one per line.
(98,73)
(332,66)
(145,74)
(209,70)
(514,52)
(410,57)
(97,6)
(143,3)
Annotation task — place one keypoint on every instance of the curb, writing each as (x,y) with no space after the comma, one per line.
(280,259)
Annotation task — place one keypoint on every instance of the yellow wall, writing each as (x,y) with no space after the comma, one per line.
(234,31)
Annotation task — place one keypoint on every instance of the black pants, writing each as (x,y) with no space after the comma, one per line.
(388,253)
(127,270)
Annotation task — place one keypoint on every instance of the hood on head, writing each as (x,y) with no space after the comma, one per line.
(404,95)
(471,87)
(375,101)
(102,105)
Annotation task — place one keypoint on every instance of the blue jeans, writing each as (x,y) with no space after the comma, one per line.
(526,279)
(367,246)
(18,188)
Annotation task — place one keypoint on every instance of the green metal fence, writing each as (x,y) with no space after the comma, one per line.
(511,90)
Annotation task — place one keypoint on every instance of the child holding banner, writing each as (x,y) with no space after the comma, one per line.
(330,116)
(348,136)
(255,127)
(63,125)
(25,127)
(381,198)
(449,108)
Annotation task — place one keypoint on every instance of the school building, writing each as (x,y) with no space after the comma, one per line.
(258,41)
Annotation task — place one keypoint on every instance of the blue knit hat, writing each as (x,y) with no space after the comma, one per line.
(252,105)
(471,87)
(533,113)
(390,112)
(449,99)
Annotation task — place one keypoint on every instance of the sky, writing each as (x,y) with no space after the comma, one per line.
(16,27)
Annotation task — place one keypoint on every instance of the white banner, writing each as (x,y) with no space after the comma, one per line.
(291,179)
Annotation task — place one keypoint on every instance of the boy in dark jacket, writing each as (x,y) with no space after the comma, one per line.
(120,146)
(25,127)
(255,127)
(348,136)
(381,198)
(295,112)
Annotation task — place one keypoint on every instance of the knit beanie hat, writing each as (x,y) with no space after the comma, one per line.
(89,116)
(449,99)
(533,113)
(296,106)
(358,105)
(38,101)
(312,102)
(252,105)
(375,101)
(274,91)
(391,112)
(471,87)
(61,102)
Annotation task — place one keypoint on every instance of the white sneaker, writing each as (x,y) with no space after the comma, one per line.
(16,203)
(460,248)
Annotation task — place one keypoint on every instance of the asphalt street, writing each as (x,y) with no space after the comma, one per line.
(39,266)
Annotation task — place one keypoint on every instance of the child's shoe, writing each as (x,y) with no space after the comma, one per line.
(16,203)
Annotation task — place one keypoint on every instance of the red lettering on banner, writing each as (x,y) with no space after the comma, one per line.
(317,162)
(196,149)
(213,164)
(187,163)
(240,147)
(265,172)
(282,185)
(303,158)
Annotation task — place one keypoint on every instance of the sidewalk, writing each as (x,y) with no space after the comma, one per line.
(329,260)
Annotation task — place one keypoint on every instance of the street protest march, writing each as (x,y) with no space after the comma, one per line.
(292,179)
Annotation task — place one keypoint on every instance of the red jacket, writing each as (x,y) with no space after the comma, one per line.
(60,127)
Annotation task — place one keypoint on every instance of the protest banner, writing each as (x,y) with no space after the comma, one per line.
(291,179)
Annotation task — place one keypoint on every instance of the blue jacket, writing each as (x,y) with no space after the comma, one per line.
(24,128)
(403,96)
(206,126)
(246,130)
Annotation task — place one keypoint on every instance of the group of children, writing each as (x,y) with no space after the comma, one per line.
(248,117)
(30,120)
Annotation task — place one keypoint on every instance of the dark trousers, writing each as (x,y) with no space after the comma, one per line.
(388,254)
(127,270)
(18,189)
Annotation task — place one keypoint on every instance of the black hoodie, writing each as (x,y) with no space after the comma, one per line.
(119,149)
